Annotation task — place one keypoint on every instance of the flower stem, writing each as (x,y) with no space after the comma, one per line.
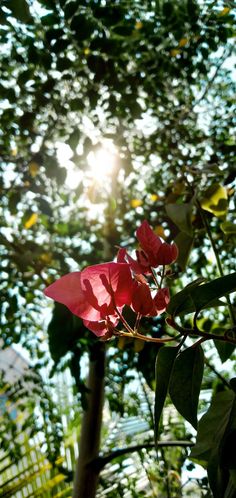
(197,332)
(138,318)
(144,337)
(155,278)
(125,323)
(162,275)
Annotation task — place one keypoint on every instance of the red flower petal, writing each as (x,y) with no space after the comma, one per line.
(112,280)
(68,291)
(102,328)
(98,328)
(148,240)
(121,255)
(142,301)
(135,266)
(167,254)
(95,292)
(161,300)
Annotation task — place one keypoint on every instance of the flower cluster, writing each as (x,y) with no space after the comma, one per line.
(99,293)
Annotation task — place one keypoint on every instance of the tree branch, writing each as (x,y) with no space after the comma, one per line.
(100,462)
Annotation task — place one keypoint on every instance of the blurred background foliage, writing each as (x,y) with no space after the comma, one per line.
(111,113)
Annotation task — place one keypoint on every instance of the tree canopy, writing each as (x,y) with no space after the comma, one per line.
(151,84)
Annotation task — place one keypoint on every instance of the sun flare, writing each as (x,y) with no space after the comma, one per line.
(102,162)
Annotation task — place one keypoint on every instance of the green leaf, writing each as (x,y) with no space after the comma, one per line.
(215,200)
(215,475)
(54,34)
(196,297)
(61,175)
(228,228)
(60,46)
(214,290)
(163,368)
(215,445)
(225,349)
(233,476)
(74,137)
(212,426)
(146,360)
(227,454)
(231,488)
(184,243)
(20,10)
(182,300)
(185,382)
(233,384)
(63,332)
(83,26)
(70,9)
(181,215)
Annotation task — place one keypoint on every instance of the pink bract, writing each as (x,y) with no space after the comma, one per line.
(161,300)
(142,301)
(145,304)
(96,292)
(153,251)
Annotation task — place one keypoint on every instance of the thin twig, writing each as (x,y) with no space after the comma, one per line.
(101,461)
(223,380)
(211,81)
(144,337)
(197,332)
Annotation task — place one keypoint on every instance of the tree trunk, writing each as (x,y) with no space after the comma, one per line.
(86,474)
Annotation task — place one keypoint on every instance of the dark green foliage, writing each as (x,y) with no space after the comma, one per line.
(116,63)
(225,349)
(185,382)
(164,365)
(199,295)
(64,331)
(215,444)
(67,334)
(19,9)
(146,362)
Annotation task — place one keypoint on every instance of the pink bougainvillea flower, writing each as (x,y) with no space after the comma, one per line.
(142,301)
(124,257)
(145,304)
(95,294)
(161,300)
(154,251)
(104,327)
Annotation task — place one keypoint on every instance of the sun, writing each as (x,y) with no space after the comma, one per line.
(102,162)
